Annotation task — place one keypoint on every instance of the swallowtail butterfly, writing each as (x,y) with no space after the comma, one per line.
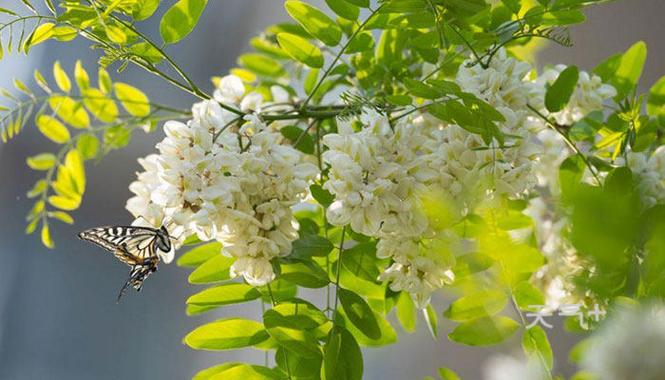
(139,247)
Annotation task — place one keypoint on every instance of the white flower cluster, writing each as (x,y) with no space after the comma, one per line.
(650,173)
(235,182)
(376,174)
(550,224)
(379,171)
(234,185)
(624,347)
(589,95)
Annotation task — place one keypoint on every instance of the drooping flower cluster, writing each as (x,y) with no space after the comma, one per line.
(234,180)
(650,173)
(234,185)
(378,172)
(589,95)
(550,222)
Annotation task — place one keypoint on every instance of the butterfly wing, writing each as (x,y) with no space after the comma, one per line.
(137,275)
(134,246)
(131,245)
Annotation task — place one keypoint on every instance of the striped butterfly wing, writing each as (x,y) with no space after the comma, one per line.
(134,246)
(131,245)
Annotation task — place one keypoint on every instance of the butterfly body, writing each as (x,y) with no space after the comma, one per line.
(139,247)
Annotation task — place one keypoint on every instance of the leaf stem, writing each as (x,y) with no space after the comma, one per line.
(339,55)
(339,269)
(570,143)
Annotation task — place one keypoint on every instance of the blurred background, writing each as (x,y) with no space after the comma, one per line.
(58,316)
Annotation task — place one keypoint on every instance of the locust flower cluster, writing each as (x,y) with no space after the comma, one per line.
(228,180)
(234,179)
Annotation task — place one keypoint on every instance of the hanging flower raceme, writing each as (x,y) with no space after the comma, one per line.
(226,179)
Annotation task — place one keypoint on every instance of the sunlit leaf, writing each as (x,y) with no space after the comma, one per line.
(181,19)
(226,334)
(314,21)
(52,129)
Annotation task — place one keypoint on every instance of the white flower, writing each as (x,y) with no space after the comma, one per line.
(649,171)
(373,177)
(230,90)
(627,345)
(236,187)
(502,84)
(589,95)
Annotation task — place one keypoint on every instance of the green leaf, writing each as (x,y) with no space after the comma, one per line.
(81,76)
(261,64)
(53,129)
(181,19)
(298,366)
(321,195)
(301,50)
(301,139)
(70,111)
(342,359)
(559,93)
(38,189)
(213,270)
(61,78)
(75,168)
(61,216)
(296,325)
(362,42)
(104,81)
(630,69)
(344,9)
(64,203)
(484,331)
(311,245)
(476,305)
(432,320)
(225,294)
(43,161)
(527,294)
(304,273)
(99,105)
(42,33)
(199,255)
(88,146)
(447,374)
(359,313)
(406,312)
(360,3)
(247,371)
(144,9)
(133,100)
(116,137)
(209,373)
(656,99)
(315,22)
(361,261)
(46,237)
(388,333)
(226,334)
(537,347)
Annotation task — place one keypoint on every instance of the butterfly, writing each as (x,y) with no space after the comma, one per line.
(139,247)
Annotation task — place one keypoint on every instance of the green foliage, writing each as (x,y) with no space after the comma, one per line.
(484,331)
(181,19)
(379,50)
(561,90)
